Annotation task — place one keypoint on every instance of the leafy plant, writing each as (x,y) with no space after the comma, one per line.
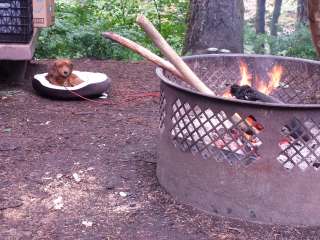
(297,43)
(79,24)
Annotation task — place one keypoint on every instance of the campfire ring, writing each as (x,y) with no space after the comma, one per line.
(247,160)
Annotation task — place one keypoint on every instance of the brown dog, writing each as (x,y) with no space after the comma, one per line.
(61,74)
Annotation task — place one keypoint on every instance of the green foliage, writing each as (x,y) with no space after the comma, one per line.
(297,43)
(79,24)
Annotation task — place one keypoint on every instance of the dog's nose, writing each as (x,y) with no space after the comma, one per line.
(66,73)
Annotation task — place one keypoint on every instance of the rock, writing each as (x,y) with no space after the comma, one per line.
(59,175)
(123,194)
(58,203)
(46,123)
(87,223)
(76,177)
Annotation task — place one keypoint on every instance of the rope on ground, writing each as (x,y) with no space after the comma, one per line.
(129,98)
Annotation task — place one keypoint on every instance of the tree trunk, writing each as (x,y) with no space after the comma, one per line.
(260,16)
(314,13)
(302,12)
(275,17)
(215,24)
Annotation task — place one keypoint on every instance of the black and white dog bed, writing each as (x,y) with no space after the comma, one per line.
(94,85)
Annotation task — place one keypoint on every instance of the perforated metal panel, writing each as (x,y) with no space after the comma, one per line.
(248,160)
(214,135)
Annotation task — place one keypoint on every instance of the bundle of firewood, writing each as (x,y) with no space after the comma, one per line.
(177,66)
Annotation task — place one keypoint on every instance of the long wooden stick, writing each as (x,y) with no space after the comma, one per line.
(172,56)
(146,53)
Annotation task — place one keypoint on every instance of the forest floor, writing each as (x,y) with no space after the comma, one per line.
(79,170)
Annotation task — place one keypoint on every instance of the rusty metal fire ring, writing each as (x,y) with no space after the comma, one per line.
(247,160)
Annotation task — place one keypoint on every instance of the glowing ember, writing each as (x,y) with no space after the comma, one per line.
(227,94)
(252,122)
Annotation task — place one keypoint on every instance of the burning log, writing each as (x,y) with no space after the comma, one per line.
(248,93)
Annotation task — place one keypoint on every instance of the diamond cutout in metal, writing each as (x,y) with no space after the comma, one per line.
(300,146)
(214,135)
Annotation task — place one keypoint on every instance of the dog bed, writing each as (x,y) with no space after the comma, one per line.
(94,85)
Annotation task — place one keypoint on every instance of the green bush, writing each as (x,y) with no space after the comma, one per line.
(79,24)
(297,43)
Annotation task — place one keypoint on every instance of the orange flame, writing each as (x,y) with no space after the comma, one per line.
(265,87)
(246,76)
(274,81)
(275,77)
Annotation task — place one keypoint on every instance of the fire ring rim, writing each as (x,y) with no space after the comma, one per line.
(160,74)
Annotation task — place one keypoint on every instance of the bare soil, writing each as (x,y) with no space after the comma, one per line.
(80,170)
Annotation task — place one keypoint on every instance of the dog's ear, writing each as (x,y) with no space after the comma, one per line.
(53,69)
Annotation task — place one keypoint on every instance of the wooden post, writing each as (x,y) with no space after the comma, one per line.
(173,57)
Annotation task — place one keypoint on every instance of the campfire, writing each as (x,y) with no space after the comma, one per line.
(263,150)
(254,88)
(241,135)
(236,137)
(280,133)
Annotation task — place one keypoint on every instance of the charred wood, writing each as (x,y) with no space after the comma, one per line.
(249,94)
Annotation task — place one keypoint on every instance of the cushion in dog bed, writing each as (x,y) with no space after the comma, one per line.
(94,84)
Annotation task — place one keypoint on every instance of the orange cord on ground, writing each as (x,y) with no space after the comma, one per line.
(108,102)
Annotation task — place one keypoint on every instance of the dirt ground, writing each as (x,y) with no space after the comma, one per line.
(79,170)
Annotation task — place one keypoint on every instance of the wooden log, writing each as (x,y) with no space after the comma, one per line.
(248,93)
(172,56)
(145,53)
